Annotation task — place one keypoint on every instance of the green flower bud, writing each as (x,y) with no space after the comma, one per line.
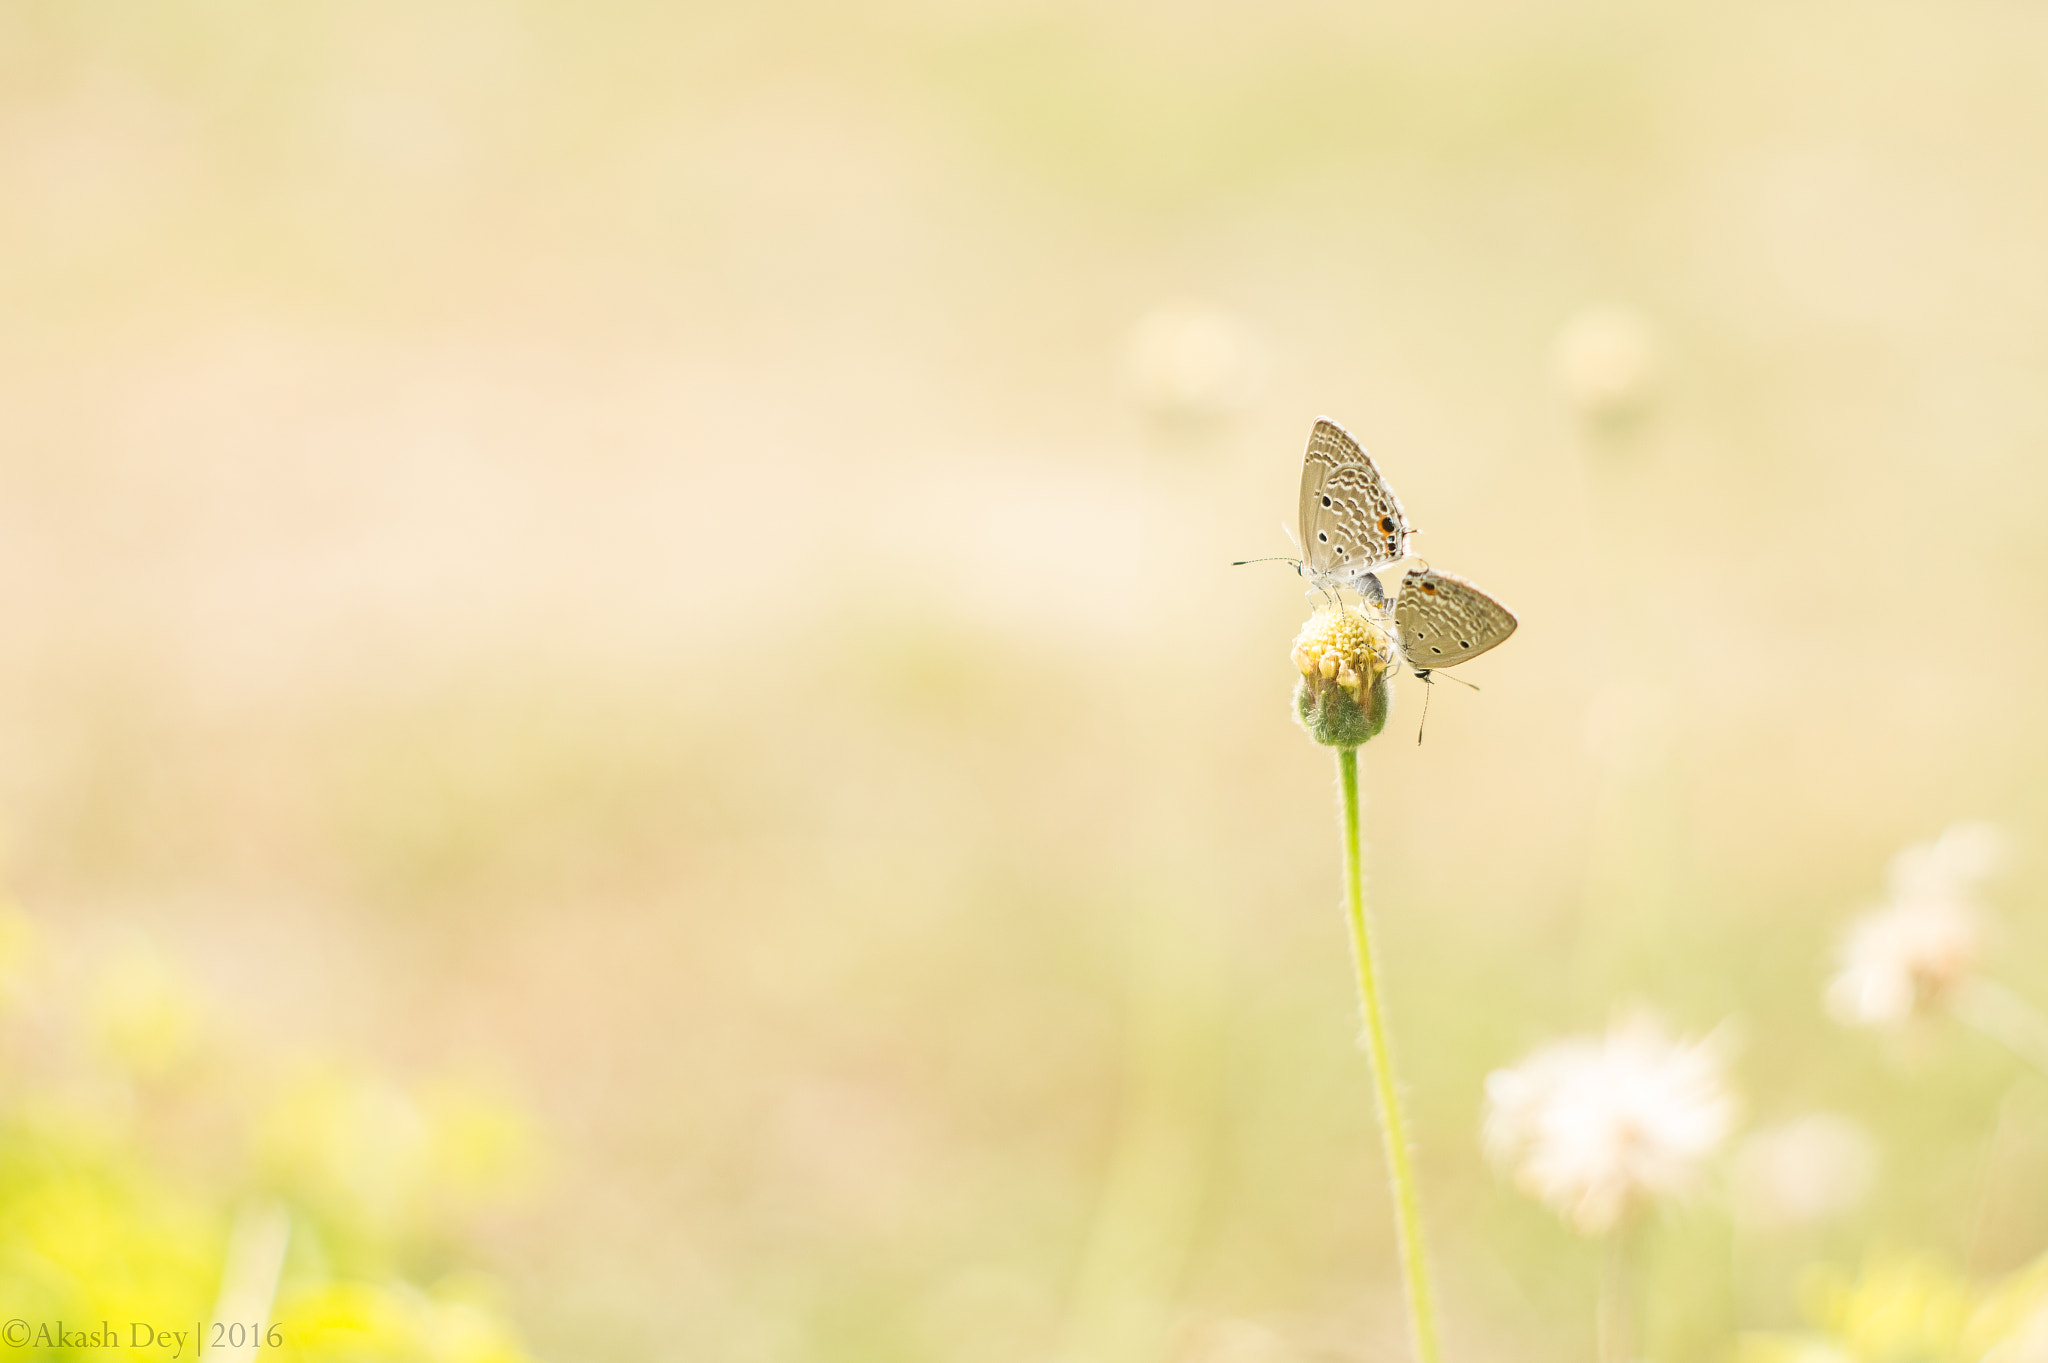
(1346,659)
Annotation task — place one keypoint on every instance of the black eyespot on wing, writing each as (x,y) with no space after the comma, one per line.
(1435,650)
(1326,501)
(1464,643)
(1429,587)
(1387,524)
(1323,535)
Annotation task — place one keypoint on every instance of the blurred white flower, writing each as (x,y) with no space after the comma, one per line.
(1605,361)
(1190,361)
(1904,960)
(1949,867)
(1596,1126)
(1802,1171)
(1910,955)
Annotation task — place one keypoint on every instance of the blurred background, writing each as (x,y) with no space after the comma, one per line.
(622,703)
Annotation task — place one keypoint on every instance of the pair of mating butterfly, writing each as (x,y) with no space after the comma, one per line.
(1352,525)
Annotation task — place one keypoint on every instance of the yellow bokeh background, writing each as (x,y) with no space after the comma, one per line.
(621,683)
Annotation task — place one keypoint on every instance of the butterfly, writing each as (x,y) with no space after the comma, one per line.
(1351,521)
(1443,620)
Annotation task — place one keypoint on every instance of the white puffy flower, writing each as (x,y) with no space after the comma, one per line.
(1596,1126)
(1950,867)
(1910,955)
(1905,960)
(1802,1172)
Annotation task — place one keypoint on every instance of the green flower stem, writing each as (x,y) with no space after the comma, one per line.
(1614,1318)
(1393,1127)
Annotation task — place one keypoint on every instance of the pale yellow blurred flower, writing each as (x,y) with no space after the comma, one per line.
(1910,956)
(1597,1126)
(347,1321)
(346,1141)
(145,1011)
(1193,361)
(1909,1309)
(1898,1307)
(18,953)
(480,1145)
(1605,361)
(362,1146)
(1801,1172)
(104,1238)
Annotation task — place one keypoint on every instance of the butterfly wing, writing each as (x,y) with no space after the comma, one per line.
(1445,620)
(1351,521)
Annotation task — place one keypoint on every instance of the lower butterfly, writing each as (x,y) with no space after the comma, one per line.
(1444,620)
(1441,621)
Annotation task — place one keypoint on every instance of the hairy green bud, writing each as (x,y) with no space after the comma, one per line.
(1346,658)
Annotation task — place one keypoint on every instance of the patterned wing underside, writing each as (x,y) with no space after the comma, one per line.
(1351,521)
(1444,620)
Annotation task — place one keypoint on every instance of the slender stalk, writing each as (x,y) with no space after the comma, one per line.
(1393,1127)
(1614,1322)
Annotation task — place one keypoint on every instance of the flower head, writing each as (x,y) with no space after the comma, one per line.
(1345,656)
(1597,1126)
(1908,957)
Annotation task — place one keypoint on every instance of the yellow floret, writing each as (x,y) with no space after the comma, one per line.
(1344,656)
(1352,645)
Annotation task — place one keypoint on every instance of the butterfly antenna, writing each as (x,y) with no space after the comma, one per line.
(1462,682)
(1423,677)
(1281,558)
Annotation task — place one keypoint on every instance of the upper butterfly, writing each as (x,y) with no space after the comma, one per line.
(1351,521)
(1443,620)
